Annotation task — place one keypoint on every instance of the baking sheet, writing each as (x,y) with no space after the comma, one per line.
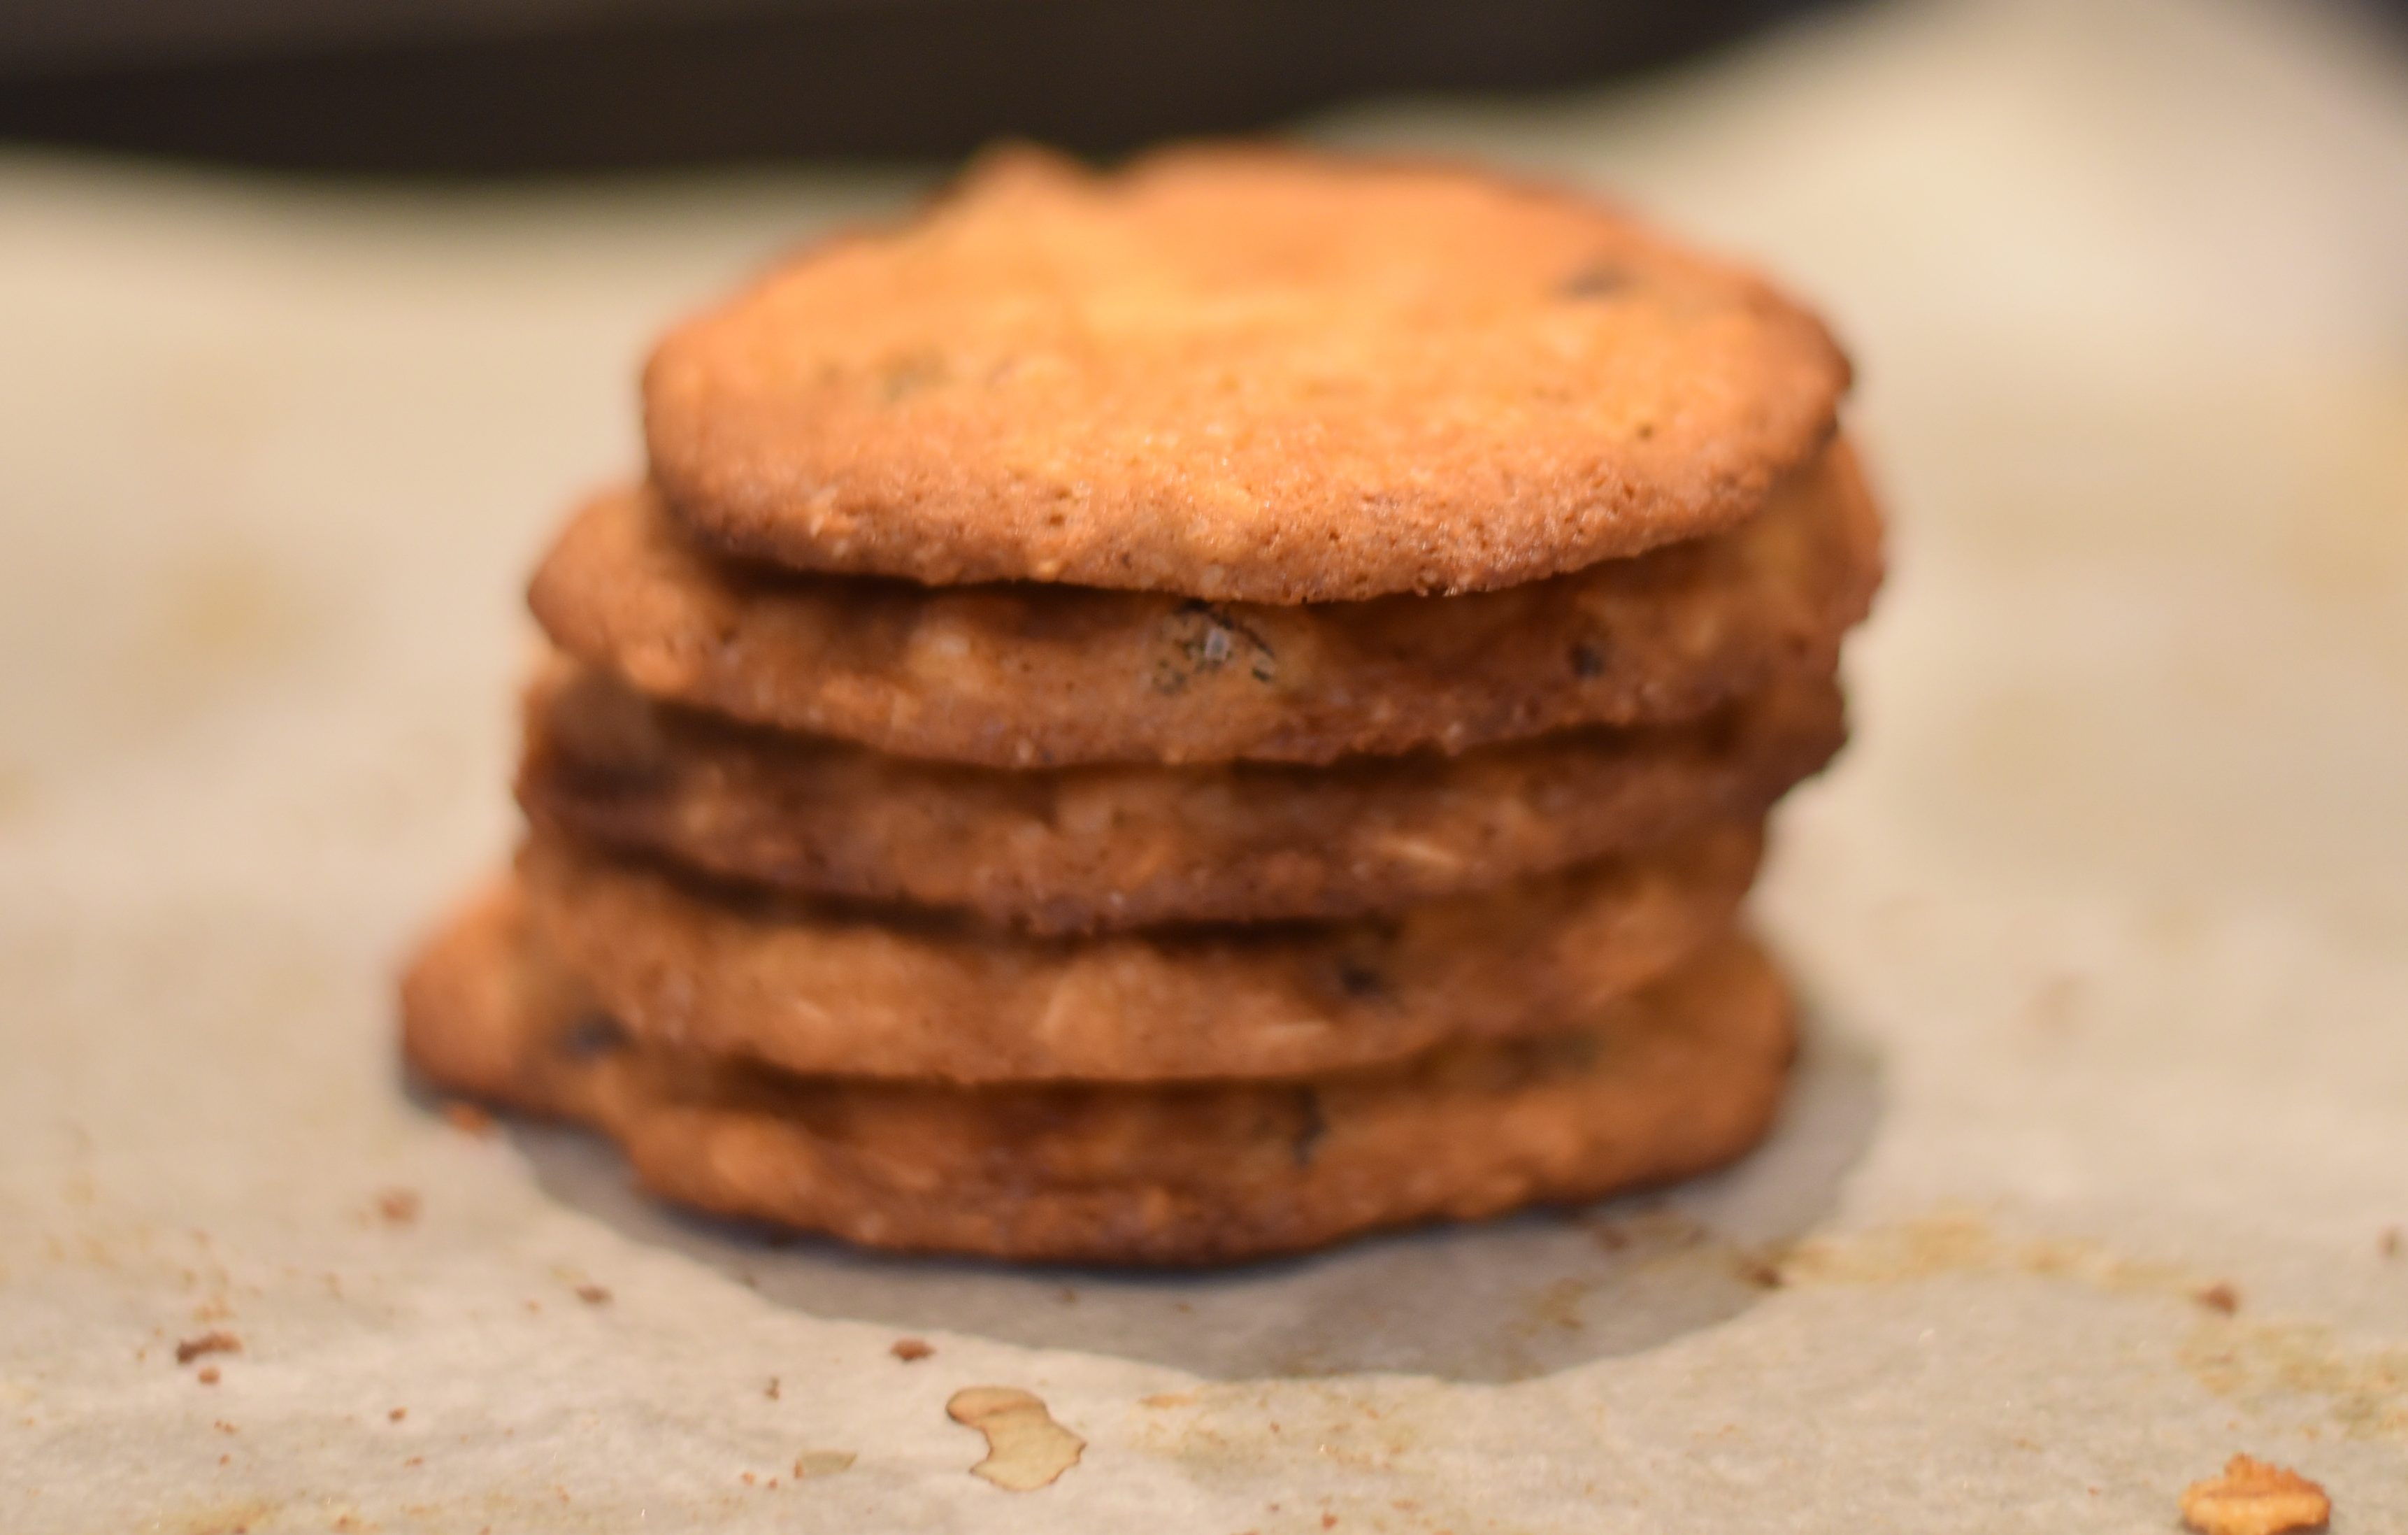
(2104,921)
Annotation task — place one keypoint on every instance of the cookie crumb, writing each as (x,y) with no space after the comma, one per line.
(209,1376)
(2253,1497)
(1760,1271)
(398,1206)
(911,1350)
(397,1415)
(2218,1296)
(468,1118)
(593,1295)
(207,1343)
(771,1391)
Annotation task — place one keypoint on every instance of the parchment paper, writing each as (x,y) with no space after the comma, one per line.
(2104,919)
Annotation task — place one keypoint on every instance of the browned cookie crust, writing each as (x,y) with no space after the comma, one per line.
(816,988)
(1681,1077)
(1255,374)
(1023,676)
(1086,849)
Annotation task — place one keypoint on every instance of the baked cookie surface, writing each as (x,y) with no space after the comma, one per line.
(1247,374)
(1022,675)
(1088,849)
(817,987)
(1672,1080)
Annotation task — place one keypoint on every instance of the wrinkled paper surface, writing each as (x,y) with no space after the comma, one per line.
(2103,922)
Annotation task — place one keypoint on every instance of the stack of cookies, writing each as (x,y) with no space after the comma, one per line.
(1178,715)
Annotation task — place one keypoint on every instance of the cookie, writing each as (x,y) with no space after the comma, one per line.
(1084,849)
(1022,676)
(1677,1077)
(820,987)
(1244,374)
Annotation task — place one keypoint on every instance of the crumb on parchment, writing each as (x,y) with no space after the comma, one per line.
(2253,1497)
(207,1343)
(911,1350)
(468,1118)
(2218,1296)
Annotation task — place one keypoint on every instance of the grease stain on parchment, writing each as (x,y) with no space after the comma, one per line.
(1957,1242)
(237,1517)
(223,608)
(1026,1449)
(17,794)
(1289,1437)
(2364,1390)
(822,1463)
(2255,1363)
(216,615)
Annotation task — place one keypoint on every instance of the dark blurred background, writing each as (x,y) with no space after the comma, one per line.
(506,86)
(513,86)
(533,85)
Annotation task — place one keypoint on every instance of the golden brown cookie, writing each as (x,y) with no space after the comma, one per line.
(1086,849)
(1248,374)
(1674,1080)
(817,987)
(1022,676)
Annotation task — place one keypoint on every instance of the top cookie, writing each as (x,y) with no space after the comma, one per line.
(1253,374)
